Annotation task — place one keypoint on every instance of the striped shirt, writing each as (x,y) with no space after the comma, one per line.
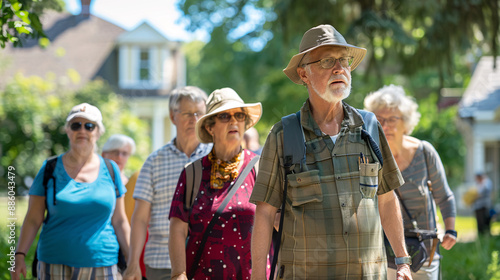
(330,231)
(415,193)
(156,184)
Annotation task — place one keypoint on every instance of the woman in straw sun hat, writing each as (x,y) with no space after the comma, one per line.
(225,254)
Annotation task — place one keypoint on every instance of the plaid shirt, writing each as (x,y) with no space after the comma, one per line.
(330,231)
(156,184)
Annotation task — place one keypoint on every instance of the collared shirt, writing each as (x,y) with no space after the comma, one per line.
(156,184)
(330,231)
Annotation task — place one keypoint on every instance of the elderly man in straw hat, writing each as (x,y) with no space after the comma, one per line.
(332,226)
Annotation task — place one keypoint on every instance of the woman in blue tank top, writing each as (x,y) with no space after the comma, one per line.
(86,222)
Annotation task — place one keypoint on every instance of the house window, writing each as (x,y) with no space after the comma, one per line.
(144,66)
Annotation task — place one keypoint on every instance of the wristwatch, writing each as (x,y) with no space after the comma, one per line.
(403,260)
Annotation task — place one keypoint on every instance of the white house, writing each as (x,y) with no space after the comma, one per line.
(479,121)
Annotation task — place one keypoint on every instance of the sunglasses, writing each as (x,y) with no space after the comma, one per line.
(77,125)
(226,117)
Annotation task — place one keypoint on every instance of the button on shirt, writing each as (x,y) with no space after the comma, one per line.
(156,184)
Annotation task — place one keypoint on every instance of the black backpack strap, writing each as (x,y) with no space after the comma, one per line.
(112,173)
(369,133)
(294,142)
(48,174)
(294,152)
(194,173)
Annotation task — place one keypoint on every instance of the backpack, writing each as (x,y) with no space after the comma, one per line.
(294,152)
(48,174)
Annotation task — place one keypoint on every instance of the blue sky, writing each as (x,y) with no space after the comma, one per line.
(128,14)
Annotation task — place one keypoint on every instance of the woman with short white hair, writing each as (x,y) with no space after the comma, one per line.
(421,168)
(119,148)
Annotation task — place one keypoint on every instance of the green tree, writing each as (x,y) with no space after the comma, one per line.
(21,19)
(419,45)
(32,116)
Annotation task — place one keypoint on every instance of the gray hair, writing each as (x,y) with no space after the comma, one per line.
(394,97)
(192,93)
(117,141)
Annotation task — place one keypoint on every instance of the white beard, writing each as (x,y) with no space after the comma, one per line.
(331,96)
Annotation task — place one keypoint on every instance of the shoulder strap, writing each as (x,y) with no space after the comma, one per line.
(294,152)
(112,173)
(233,189)
(369,133)
(194,173)
(429,182)
(294,142)
(370,124)
(48,174)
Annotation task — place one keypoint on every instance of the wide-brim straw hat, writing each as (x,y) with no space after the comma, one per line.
(320,36)
(222,100)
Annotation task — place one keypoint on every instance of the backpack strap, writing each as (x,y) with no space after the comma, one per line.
(294,141)
(369,133)
(194,173)
(48,174)
(112,173)
(294,152)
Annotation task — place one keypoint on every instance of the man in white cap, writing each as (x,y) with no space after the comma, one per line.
(332,227)
(157,182)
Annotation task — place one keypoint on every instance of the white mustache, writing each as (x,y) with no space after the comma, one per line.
(336,78)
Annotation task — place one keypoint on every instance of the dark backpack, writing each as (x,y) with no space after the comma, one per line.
(48,174)
(294,152)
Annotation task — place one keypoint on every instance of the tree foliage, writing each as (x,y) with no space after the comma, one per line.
(32,116)
(21,19)
(420,45)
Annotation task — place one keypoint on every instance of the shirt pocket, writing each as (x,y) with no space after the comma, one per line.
(305,187)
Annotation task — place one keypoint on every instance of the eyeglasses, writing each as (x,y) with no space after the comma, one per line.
(329,62)
(189,115)
(77,125)
(118,153)
(226,117)
(390,121)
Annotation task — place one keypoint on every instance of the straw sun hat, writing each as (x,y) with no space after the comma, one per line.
(222,100)
(319,36)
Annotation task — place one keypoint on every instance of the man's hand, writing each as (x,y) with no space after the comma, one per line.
(404,272)
(448,241)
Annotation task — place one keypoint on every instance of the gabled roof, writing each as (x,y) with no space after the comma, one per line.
(77,43)
(482,96)
(145,34)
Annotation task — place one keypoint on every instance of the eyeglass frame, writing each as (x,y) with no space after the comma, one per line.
(351,58)
(117,153)
(89,126)
(391,121)
(189,115)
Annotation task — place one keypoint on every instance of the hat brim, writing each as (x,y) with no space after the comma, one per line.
(254,111)
(291,70)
